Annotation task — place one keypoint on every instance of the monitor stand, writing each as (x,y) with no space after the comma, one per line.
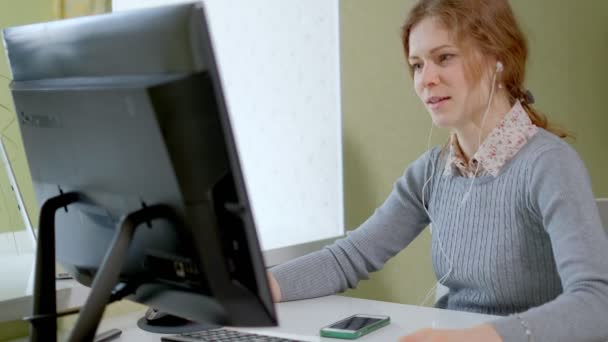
(163,323)
(44,316)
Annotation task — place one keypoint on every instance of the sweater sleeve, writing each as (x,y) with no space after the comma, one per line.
(366,249)
(562,198)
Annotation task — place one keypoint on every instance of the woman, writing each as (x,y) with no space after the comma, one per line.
(516,231)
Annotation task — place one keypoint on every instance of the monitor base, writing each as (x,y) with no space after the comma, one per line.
(170,324)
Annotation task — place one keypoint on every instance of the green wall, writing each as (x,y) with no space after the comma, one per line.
(568,72)
(386,127)
(13,13)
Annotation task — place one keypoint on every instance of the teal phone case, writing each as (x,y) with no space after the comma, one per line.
(356,334)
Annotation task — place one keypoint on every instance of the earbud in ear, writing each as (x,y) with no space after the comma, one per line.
(499,66)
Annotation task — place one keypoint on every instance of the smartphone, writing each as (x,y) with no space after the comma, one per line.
(355,326)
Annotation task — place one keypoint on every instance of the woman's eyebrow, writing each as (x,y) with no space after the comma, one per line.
(433,50)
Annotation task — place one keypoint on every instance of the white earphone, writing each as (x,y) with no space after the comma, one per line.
(499,69)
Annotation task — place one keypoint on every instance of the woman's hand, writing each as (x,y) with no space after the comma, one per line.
(481,333)
(275,290)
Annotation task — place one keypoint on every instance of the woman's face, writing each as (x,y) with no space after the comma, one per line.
(439,77)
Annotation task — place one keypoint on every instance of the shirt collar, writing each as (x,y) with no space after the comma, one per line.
(503,142)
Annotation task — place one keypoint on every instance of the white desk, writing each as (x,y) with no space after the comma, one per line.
(304,318)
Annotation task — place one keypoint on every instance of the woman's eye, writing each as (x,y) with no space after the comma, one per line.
(416,66)
(445,57)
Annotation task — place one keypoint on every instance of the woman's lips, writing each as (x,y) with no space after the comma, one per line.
(436,102)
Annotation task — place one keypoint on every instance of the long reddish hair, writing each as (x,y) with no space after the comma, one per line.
(488,27)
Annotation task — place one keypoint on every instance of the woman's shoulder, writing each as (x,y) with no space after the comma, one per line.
(546,145)
(427,163)
(549,153)
(431,154)
(429,157)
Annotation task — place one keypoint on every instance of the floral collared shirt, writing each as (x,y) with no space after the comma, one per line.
(505,140)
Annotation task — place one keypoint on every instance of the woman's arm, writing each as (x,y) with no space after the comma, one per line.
(561,197)
(340,266)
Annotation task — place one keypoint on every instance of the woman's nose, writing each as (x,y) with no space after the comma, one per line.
(430,75)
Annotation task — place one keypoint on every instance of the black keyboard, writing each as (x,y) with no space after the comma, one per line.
(223,335)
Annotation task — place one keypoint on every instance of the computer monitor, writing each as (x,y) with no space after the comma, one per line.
(126,109)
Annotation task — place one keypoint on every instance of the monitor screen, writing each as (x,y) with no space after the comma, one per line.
(127,109)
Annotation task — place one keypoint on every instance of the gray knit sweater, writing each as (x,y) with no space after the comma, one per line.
(527,241)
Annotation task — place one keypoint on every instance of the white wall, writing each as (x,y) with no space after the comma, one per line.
(280,68)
